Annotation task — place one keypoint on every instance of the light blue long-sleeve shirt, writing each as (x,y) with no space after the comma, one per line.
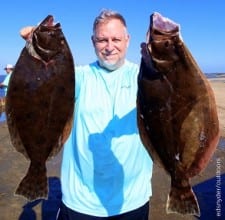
(105,168)
(6,82)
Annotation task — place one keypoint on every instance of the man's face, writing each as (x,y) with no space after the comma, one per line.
(8,70)
(111,41)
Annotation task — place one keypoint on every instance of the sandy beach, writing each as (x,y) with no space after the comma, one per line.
(209,186)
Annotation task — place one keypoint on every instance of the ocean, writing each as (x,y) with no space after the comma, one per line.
(2,94)
(2,77)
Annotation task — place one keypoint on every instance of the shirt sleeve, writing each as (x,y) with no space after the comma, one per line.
(6,80)
(78,79)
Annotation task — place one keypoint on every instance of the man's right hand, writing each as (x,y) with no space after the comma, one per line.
(26,32)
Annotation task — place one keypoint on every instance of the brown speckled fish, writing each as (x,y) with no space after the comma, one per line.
(177,112)
(40,103)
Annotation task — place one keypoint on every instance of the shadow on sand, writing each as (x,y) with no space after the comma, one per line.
(49,207)
(211,198)
(210,194)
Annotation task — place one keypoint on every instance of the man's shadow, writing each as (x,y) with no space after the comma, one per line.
(100,146)
(211,197)
(49,207)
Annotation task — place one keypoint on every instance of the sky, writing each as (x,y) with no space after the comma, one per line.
(202,25)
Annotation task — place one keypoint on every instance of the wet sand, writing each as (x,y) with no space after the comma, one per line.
(209,186)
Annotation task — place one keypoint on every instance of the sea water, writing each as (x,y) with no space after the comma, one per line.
(2,94)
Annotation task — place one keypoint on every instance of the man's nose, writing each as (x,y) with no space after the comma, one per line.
(109,45)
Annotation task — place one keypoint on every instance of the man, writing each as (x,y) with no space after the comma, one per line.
(106,170)
(4,84)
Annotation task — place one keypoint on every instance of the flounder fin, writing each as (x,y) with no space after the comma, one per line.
(15,137)
(182,201)
(34,185)
(62,139)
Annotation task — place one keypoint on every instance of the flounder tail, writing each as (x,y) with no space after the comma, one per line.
(183,201)
(34,185)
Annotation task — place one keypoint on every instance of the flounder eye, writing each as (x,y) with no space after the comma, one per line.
(167,44)
(51,33)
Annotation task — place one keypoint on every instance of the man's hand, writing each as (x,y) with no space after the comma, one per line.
(26,32)
(146,56)
(145,53)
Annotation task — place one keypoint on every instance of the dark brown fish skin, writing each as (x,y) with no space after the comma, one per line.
(40,103)
(177,113)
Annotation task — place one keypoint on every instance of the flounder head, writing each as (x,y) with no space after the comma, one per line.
(163,39)
(47,38)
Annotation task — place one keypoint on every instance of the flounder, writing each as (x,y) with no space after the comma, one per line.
(40,103)
(177,114)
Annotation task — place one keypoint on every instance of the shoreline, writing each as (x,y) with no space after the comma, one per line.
(218,86)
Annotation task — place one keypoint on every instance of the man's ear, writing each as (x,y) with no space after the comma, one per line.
(93,40)
(128,40)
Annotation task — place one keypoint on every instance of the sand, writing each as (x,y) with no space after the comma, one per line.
(209,186)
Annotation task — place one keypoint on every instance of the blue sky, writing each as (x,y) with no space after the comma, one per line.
(202,26)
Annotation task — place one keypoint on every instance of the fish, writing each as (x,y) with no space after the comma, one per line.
(176,112)
(40,103)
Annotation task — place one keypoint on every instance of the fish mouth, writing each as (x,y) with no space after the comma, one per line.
(49,22)
(162,36)
(161,28)
(163,24)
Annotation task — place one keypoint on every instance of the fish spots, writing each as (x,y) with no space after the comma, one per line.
(29,115)
(202,139)
(177,157)
(177,112)
(202,136)
(61,89)
(40,104)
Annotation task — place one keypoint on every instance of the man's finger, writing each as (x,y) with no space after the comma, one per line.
(26,32)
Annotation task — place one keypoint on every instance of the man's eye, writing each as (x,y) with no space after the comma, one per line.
(116,40)
(101,40)
(105,41)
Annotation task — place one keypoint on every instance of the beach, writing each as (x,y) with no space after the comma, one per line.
(209,186)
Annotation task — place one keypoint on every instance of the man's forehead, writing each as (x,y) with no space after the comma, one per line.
(110,28)
(115,23)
